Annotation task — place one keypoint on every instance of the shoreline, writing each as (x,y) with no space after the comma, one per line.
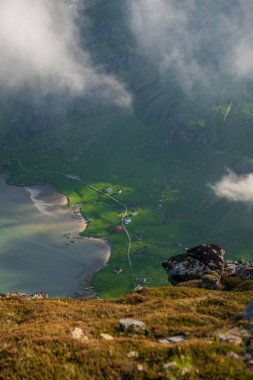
(44,206)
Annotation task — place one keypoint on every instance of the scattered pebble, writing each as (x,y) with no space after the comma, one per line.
(169,365)
(163,341)
(172,339)
(230,338)
(106,336)
(140,367)
(176,338)
(133,354)
(233,355)
(77,333)
(131,325)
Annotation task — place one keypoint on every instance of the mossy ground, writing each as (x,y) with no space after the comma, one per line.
(36,340)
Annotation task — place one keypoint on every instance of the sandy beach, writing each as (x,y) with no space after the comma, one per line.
(40,244)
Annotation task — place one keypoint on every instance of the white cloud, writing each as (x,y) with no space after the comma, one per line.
(40,46)
(199,41)
(235,188)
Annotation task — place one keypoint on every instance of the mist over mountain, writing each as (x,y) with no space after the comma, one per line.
(41,48)
(202,43)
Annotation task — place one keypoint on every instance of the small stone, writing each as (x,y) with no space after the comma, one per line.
(133,354)
(39,296)
(163,341)
(106,336)
(169,365)
(140,367)
(248,356)
(77,333)
(176,338)
(230,338)
(233,355)
(131,325)
(172,339)
(250,362)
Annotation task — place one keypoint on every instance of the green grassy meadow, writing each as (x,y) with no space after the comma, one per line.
(168,183)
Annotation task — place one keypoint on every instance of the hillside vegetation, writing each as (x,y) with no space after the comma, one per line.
(61,338)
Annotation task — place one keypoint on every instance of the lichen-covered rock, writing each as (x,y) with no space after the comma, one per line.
(182,268)
(240,268)
(246,273)
(210,255)
(211,281)
(195,263)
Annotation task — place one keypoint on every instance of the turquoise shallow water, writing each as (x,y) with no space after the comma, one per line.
(40,249)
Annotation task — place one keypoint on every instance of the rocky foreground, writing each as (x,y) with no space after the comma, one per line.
(200,328)
(160,333)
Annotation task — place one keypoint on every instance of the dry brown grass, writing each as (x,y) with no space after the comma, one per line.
(36,340)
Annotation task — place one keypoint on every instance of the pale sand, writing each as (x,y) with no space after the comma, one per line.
(40,245)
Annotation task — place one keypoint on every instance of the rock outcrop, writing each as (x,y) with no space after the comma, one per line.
(240,268)
(206,264)
(195,263)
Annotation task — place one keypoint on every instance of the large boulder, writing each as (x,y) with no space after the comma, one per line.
(182,268)
(209,254)
(195,263)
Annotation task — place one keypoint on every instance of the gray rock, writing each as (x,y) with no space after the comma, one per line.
(246,273)
(131,325)
(172,339)
(176,338)
(133,354)
(169,365)
(77,333)
(209,254)
(240,268)
(195,263)
(39,296)
(231,338)
(182,268)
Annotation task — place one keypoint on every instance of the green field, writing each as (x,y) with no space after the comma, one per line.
(169,185)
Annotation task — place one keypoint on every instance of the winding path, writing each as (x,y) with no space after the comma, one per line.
(77,178)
